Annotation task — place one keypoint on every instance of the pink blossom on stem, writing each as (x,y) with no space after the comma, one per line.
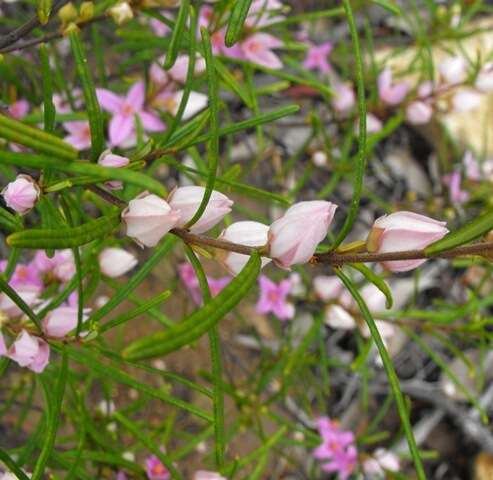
(30,351)
(390,92)
(124,110)
(61,265)
(273,298)
(28,293)
(316,57)
(294,237)
(337,448)
(108,159)
(79,134)
(186,201)
(402,231)
(159,27)
(465,100)
(22,194)
(471,166)
(148,218)
(24,274)
(155,470)
(251,234)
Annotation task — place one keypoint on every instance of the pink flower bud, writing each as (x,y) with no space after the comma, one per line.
(327,287)
(155,470)
(465,100)
(108,159)
(148,218)
(30,351)
(251,234)
(22,194)
(61,321)
(339,318)
(186,201)
(115,262)
(344,98)
(389,92)
(419,113)
(402,231)
(295,236)
(425,89)
(453,70)
(203,475)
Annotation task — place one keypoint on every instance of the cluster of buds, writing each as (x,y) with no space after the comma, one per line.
(70,15)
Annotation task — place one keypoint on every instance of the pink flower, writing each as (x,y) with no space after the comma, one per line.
(30,351)
(251,234)
(295,236)
(186,201)
(155,470)
(273,298)
(453,70)
(19,109)
(124,110)
(179,70)
(61,265)
(456,194)
(62,320)
(148,218)
(28,293)
(24,275)
(419,113)
(3,347)
(337,447)
(373,124)
(344,98)
(204,475)
(316,58)
(191,282)
(160,28)
(327,287)
(484,80)
(108,159)
(79,134)
(389,92)
(22,194)
(121,475)
(115,262)
(402,231)
(257,48)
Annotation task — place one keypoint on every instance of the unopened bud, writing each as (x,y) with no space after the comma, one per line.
(86,11)
(121,13)
(68,13)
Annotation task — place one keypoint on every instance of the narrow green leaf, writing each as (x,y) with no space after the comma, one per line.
(471,231)
(12,294)
(67,237)
(85,357)
(361,159)
(137,432)
(389,5)
(218,398)
(176,36)
(12,466)
(389,369)
(44,10)
(213,147)
(48,107)
(53,420)
(200,321)
(378,281)
(90,98)
(42,142)
(230,81)
(135,312)
(121,294)
(8,221)
(239,13)
(84,168)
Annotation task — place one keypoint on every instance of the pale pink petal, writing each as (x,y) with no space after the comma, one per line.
(109,101)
